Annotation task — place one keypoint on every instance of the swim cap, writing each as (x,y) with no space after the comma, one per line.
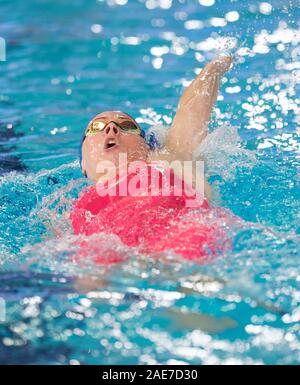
(150,139)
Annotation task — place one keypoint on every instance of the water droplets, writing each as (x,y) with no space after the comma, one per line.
(232,16)
(265,8)
(207,3)
(96,28)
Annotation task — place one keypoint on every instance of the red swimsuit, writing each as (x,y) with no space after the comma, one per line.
(152,223)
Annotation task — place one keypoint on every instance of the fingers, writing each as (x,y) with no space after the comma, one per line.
(207,80)
(220,65)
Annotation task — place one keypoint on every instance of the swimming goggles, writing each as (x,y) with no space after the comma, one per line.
(99,125)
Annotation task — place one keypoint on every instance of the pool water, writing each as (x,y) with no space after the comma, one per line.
(66,61)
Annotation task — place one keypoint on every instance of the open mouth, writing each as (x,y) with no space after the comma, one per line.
(110,144)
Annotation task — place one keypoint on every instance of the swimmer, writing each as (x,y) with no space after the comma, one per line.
(152,223)
(112,132)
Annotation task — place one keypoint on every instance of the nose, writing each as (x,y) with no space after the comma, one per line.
(112,129)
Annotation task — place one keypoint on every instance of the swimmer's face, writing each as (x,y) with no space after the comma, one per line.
(111,134)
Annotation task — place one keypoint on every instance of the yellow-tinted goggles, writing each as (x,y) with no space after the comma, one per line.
(99,125)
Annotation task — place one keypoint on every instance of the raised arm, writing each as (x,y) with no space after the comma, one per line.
(190,124)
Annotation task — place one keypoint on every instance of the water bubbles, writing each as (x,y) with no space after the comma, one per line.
(199,57)
(282,35)
(57,130)
(218,43)
(265,8)
(261,48)
(74,362)
(286,142)
(85,302)
(243,51)
(146,58)
(114,40)
(8,341)
(168,35)
(131,40)
(55,81)
(207,3)
(218,22)
(150,116)
(233,90)
(157,63)
(292,318)
(151,4)
(158,23)
(113,3)
(182,16)
(193,24)
(178,49)
(96,28)
(71,79)
(232,16)
(159,51)
(163,4)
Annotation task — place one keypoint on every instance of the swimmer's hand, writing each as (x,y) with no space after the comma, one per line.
(190,125)
(220,65)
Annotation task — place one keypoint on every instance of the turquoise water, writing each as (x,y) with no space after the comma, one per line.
(66,61)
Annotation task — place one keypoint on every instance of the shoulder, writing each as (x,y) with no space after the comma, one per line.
(167,154)
(176,162)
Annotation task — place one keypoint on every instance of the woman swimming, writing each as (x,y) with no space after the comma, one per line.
(157,221)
